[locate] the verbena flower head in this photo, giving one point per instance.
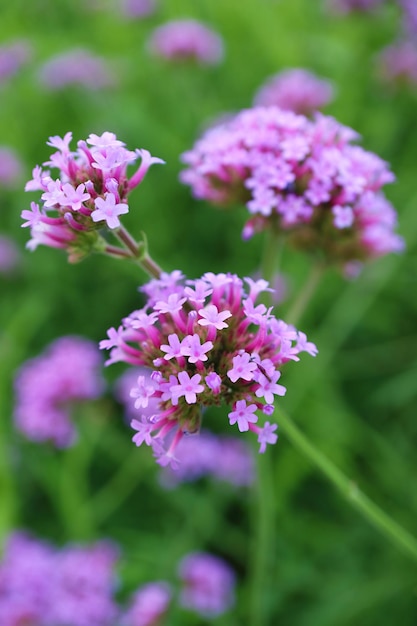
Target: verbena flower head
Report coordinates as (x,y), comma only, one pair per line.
(208,584)
(296,90)
(397,63)
(186,39)
(79,67)
(301,177)
(43,586)
(12,56)
(47,386)
(9,255)
(10,167)
(349,6)
(148,605)
(89,192)
(136,9)
(207,343)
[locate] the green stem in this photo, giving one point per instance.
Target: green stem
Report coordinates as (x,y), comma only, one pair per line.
(138,252)
(263,507)
(348,488)
(306,293)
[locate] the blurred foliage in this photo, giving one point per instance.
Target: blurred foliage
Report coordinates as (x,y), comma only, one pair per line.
(356,400)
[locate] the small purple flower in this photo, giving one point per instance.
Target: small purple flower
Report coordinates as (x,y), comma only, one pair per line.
(186,39)
(13,56)
(296,90)
(243,415)
(267,435)
(242,368)
(10,168)
(108,210)
(188,387)
(77,66)
(208,584)
(148,605)
(9,256)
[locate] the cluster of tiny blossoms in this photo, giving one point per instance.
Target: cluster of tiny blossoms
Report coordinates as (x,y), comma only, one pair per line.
(186,40)
(296,90)
(207,343)
(43,586)
(298,176)
(89,194)
(224,458)
(69,371)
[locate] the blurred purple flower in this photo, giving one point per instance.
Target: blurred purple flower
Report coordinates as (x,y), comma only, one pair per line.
(296,90)
(397,63)
(46,387)
(44,586)
(208,584)
(137,8)
(76,67)
(186,39)
(10,167)
(12,56)
(148,605)
(348,6)
(9,255)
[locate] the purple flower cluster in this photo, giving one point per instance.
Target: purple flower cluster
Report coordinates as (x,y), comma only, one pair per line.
(397,63)
(46,387)
(209,584)
(298,176)
(9,255)
(207,343)
(89,194)
(296,90)
(148,605)
(75,585)
(348,6)
(76,67)
(10,167)
(186,39)
(12,56)
(43,586)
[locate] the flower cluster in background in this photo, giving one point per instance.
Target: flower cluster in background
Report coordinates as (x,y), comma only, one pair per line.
(206,343)
(296,90)
(301,177)
(182,40)
(44,586)
(13,56)
(10,256)
(77,66)
(10,167)
(48,386)
(75,585)
(91,192)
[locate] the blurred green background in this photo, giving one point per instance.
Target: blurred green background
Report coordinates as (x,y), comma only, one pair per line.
(356,400)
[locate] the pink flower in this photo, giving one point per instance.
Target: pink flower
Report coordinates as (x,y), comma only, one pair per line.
(296,90)
(186,371)
(186,40)
(243,415)
(108,210)
(90,192)
(304,178)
